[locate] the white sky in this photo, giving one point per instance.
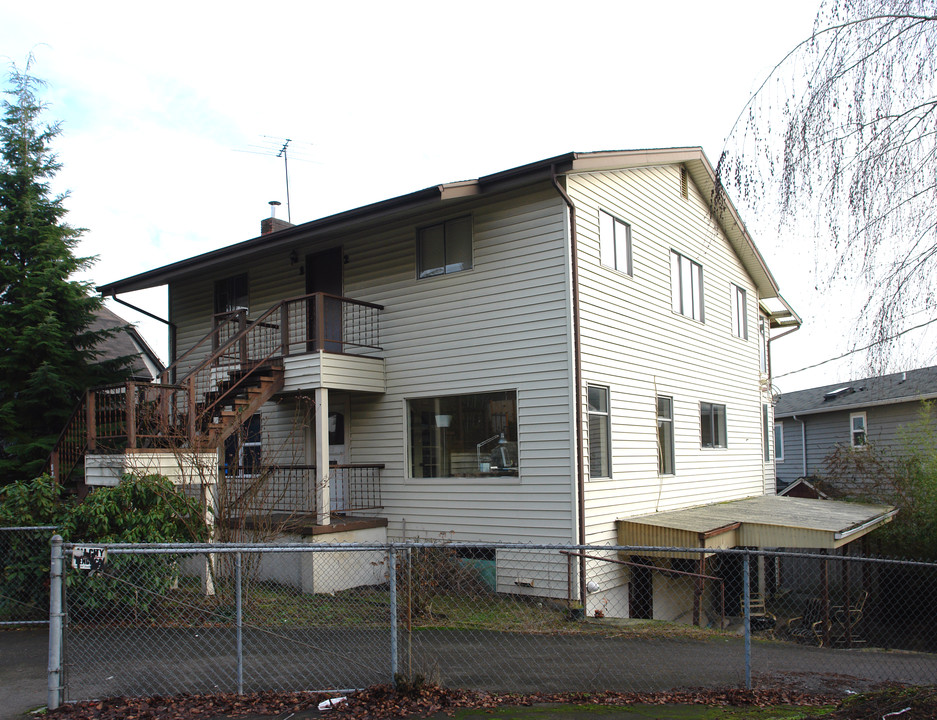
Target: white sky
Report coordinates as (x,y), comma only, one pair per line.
(158,103)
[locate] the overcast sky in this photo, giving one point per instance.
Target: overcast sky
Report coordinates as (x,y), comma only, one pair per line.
(173,114)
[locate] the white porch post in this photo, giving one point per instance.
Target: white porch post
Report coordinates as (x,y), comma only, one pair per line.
(323,499)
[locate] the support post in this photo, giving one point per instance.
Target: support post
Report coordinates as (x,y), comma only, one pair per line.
(323,496)
(238,623)
(56,569)
(285,329)
(90,425)
(746,592)
(392,561)
(130,402)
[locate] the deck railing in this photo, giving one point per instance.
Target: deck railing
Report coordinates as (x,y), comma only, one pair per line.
(292,489)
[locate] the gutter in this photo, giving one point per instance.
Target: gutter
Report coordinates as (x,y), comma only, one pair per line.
(577,362)
(875,522)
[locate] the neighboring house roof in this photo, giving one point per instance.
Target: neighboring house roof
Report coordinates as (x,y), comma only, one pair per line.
(692,158)
(910,386)
(127,342)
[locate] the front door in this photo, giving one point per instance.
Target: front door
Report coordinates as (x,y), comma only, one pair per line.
(324,275)
(338,434)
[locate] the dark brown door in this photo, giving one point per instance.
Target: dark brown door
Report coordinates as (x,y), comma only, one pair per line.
(324,275)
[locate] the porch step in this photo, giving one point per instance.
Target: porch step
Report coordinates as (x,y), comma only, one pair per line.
(244,395)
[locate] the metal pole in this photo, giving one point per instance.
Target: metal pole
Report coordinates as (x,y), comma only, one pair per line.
(392,559)
(55,624)
(238,620)
(746,571)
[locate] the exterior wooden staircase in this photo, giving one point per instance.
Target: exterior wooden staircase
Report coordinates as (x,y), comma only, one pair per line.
(234,400)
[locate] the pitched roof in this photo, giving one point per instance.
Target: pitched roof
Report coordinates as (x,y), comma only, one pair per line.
(692,158)
(910,386)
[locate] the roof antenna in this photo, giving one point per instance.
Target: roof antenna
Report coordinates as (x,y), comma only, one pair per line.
(286,168)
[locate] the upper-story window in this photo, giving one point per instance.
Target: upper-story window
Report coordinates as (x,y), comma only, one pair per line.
(858,437)
(614,242)
(712,425)
(739,313)
(686,284)
(231,293)
(444,248)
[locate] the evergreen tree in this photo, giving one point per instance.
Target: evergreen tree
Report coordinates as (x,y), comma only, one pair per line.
(47,352)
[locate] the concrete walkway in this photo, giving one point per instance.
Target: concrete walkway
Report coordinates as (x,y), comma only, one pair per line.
(24,659)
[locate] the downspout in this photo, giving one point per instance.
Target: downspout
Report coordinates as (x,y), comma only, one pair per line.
(171,325)
(803,442)
(577,371)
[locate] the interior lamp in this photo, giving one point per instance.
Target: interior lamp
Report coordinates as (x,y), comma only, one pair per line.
(486,466)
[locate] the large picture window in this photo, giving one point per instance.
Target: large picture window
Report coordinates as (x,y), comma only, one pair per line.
(464,435)
(614,242)
(686,285)
(712,425)
(444,248)
(600,456)
(665,461)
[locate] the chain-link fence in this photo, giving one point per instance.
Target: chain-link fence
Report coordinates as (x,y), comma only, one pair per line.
(210,618)
(24,575)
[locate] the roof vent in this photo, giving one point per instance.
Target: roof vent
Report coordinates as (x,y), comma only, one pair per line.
(839,392)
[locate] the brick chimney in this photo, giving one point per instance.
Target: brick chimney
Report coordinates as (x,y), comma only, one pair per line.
(272,224)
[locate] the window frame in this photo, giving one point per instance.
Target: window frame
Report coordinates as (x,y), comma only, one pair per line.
(424,274)
(684,269)
(665,450)
(709,414)
(228,290)
(778,441)
(853,431)
(765,435)
(610,247)
(739,300)
(763,362)
(602,417)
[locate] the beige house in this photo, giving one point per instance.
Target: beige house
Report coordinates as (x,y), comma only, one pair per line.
(539,355)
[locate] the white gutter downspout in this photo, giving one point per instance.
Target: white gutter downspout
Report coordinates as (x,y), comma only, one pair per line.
(803,442)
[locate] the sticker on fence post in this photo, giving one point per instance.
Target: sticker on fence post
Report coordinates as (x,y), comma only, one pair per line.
(88,557)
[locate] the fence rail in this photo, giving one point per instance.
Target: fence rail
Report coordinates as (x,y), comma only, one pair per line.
(163,619)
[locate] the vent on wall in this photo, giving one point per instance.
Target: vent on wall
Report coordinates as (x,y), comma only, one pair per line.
(684,184)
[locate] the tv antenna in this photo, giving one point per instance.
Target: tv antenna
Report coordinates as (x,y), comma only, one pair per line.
(280,146)
(286,169)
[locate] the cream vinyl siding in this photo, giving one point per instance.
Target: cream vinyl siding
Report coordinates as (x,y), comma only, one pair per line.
(502,325)
(633,342)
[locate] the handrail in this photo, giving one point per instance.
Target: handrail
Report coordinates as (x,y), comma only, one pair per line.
(206,336)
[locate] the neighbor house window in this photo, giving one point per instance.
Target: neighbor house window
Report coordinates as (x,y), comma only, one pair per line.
(739,313)
(665,435)
(779,442)
(444,248)
(712,425)
(463,435)
(686,284)
(615,242)
(242,449)
(857,426)
(765,433)
(231,293)
(600,456)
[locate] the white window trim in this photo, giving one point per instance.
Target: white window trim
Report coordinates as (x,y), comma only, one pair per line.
(724,427)
(609,247)
(671,453)
(739,300)
(606,472)
(686,287)
(779,447)
(853,431)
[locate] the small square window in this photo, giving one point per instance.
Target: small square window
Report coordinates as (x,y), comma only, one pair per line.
(712,425)
(614,242)
(445,248)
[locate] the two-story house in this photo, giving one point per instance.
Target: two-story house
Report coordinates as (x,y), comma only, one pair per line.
(569,351)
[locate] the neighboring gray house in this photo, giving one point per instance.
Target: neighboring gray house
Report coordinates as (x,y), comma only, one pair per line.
(810,424)
(570,351)
(127,342)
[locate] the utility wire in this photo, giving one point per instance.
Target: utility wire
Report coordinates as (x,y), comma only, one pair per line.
(853,352)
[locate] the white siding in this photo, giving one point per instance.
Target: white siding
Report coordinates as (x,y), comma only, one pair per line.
(635,344)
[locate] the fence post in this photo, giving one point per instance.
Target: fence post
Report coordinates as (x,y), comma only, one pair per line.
(746,610)
(392,560)
(55,624)
(238,620)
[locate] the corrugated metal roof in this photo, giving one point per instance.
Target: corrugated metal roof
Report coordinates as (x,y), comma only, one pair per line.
(766,521)
(909,386)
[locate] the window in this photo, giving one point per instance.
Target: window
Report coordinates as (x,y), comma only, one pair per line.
(739,313)
(779,442)
(600,456)
(614,242)
(763,344)
(765,434)
(712,425)
(686,283)
(242,449)
(857,429)
(231,293)
(665,435)
(464,435)
(445,248)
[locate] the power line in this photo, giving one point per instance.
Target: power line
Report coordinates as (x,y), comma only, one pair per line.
(853,352)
